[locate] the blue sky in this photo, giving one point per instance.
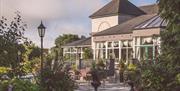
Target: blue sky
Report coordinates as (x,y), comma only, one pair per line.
(143,2)
(59,16)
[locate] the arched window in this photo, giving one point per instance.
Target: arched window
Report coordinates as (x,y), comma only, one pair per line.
(104,25)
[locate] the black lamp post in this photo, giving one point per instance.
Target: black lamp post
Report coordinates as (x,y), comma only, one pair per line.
(41,31)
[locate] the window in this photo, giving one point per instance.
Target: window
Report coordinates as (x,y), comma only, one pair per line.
(109,44)
(100,50)
(126,51)
(116,44)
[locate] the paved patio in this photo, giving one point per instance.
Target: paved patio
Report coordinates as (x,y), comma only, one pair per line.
(106,87)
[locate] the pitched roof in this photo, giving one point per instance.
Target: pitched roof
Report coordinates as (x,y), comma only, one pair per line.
(150,9)
(154,22)
(126,27)
(81,42)
(116,7)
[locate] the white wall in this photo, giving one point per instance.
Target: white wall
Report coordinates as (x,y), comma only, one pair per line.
(100,24)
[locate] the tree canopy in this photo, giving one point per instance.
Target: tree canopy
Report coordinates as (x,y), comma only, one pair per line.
(165,74)
(16,50)
(170,42)
(11,38)
(66,38)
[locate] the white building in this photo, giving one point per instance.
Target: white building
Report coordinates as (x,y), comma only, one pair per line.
(123,31)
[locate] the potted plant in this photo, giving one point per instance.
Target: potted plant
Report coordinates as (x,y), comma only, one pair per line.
(76,72)
(100,64)
(134,77)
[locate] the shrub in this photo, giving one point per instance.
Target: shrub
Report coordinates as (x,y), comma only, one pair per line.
(19,85)
(132,67)
(133,74)
(100,64)
(4,70)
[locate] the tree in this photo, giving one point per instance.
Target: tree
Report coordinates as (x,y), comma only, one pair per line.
(170,39)
(165,74)
(35,52)
(62,40)
(66,38)
(12,42)
(15,50)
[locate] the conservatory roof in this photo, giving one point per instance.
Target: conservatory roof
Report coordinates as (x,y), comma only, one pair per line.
(155,22)
(81,42)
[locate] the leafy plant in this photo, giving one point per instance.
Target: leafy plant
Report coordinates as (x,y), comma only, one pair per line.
(19,85)
(4,70)
(87,53)
(100,64)
(163,76)
(55,76)
(132,67)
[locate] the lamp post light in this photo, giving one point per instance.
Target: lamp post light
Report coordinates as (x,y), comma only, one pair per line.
(41,31)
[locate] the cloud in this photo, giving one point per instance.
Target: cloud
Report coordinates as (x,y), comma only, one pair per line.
(59,16)
(51,9)
(58,29)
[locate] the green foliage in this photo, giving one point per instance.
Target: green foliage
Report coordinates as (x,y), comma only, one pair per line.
(134,74)
(30,66)
(19,85)
(74,67)
(151,77)
(55,76)
(65,38)
(11,34)
(13,46)
(87,53)
(58,81)
(93,66)
(98,69)
(63,82)
(35,52)
(25,65)
(132,67)
(122,66)
(76,71)
(178,78)
(164,75)
(16,52)
(170,11)
(4,70)
(100,64)
(62,40)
